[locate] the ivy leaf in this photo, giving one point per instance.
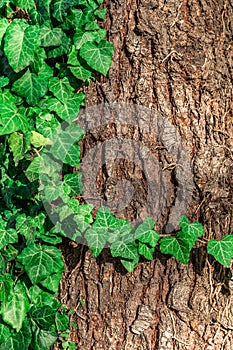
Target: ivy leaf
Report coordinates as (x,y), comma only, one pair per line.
(124,250)
(222,250)
(74,181)
(15,309)
(61,49)
(19,145)
(4,81)
(129,265)
(21,42)
(176,247)
(3,27)
(25,4)
(41,261)
(144,250)
(42,339)
(96,239)
(80,72)
(10,120)
(145,233)
(60,88)
(43,316)
(190,232)
(73,156)
(60,8)
(81,37)
(32,86)
(105,219)
(64,140)
(7,235)
(98,56)
(51,37)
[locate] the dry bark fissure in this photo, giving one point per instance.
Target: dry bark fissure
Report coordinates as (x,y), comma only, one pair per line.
(174,57)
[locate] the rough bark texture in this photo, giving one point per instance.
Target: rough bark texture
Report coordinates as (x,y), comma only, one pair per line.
(176,58)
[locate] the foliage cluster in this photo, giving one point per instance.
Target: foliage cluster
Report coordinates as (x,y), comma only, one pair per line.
(48,51)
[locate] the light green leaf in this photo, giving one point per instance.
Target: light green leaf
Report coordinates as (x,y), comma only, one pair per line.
(98,56)
(19,145)
(222,250)
(38,140)
(51,37)
(96,239)
(21,42)
(124,250)
(7,235)
(3,27)
(176,247)
(62,322)
(25,4)
(41,261)
(10,120)
(4,333)
(15,309)
(144,250)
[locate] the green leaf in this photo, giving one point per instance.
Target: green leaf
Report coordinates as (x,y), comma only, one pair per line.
(222,250)
(73,156)
(20,340)
(74,181)
(7,235)
(62,322)
(81,37)
(10,120)
(60,50)
(43,316)
(190,232)
(43,339)
(5,333)
(18,146)
(145,233)
(38,140)
(124,250)
(144,250)
(130,264)
(105,219)
(98,56)
(25,4)
(176,247)
(60,8)
(96,239)
(52,282)
(32,86)
(3,27)
(64,139)
(21,42)
(61,89)
(41,261)
(80,72)
(4,81)
(15,309)
(51,37)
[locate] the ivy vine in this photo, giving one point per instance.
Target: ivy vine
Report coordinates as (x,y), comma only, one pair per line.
(49,50)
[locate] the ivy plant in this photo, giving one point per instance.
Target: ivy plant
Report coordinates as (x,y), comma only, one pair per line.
(48,51)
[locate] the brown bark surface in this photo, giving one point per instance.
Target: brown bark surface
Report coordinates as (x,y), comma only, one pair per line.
(174,57)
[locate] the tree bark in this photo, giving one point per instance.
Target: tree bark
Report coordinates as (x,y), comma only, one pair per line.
(174,57)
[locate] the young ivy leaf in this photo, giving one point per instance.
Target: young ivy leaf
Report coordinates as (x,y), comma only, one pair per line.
(129,265)
(124,250)
(144,250)
(176,247)
(105,219)
(222,250)
(145,233)
(190,232)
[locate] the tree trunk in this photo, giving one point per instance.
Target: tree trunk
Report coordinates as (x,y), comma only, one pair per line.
(173,57)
